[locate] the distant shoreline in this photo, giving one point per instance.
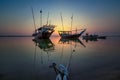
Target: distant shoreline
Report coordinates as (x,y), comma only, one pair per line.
(114,36)
(51,36)
(22,36)
(15,36)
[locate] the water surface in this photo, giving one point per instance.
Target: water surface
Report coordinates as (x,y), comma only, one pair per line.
(21,58)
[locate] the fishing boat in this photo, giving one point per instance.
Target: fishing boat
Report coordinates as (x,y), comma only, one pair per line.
(44,31)
(70,33)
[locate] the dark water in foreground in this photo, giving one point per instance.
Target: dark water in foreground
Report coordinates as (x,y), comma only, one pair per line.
(23,59)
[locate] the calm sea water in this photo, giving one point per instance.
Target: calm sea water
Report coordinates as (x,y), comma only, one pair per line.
(21,58)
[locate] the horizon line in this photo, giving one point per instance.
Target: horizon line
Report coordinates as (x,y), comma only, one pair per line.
(19,35)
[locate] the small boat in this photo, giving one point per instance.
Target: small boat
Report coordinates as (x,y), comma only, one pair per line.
(44,31)
(92,37)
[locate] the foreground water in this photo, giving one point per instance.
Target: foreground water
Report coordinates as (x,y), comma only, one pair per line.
(21,58)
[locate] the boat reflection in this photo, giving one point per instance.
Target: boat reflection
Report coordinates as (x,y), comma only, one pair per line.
(44,44)
(68,41)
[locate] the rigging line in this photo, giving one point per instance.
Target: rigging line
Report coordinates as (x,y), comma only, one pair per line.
(33,18)
(71,22)
(70,58)
(62,21)
(41,18)
(47,18)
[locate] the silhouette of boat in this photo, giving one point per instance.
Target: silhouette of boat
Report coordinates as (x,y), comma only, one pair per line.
(68,34)
(45,31)
(93,37)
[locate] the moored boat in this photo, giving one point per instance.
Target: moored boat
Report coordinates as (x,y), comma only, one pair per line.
(44,31)
(93,37)
(68,34)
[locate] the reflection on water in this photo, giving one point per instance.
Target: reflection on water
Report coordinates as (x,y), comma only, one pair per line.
(68,41)
(27,59)
(44,44)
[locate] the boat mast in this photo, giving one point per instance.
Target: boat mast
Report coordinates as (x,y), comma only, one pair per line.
(62,21)
(33,19)
(76,30)
(71,22)
(41,18)
(47,18)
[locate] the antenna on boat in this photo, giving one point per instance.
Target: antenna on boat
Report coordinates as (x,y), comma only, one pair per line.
(49,22)
(33,19)
(41,17)
(62,21)
(71,22)
(47,18)
(76,30)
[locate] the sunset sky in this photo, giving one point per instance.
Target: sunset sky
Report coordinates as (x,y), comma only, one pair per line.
(97,16)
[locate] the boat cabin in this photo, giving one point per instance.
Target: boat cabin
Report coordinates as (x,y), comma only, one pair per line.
(65,32)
